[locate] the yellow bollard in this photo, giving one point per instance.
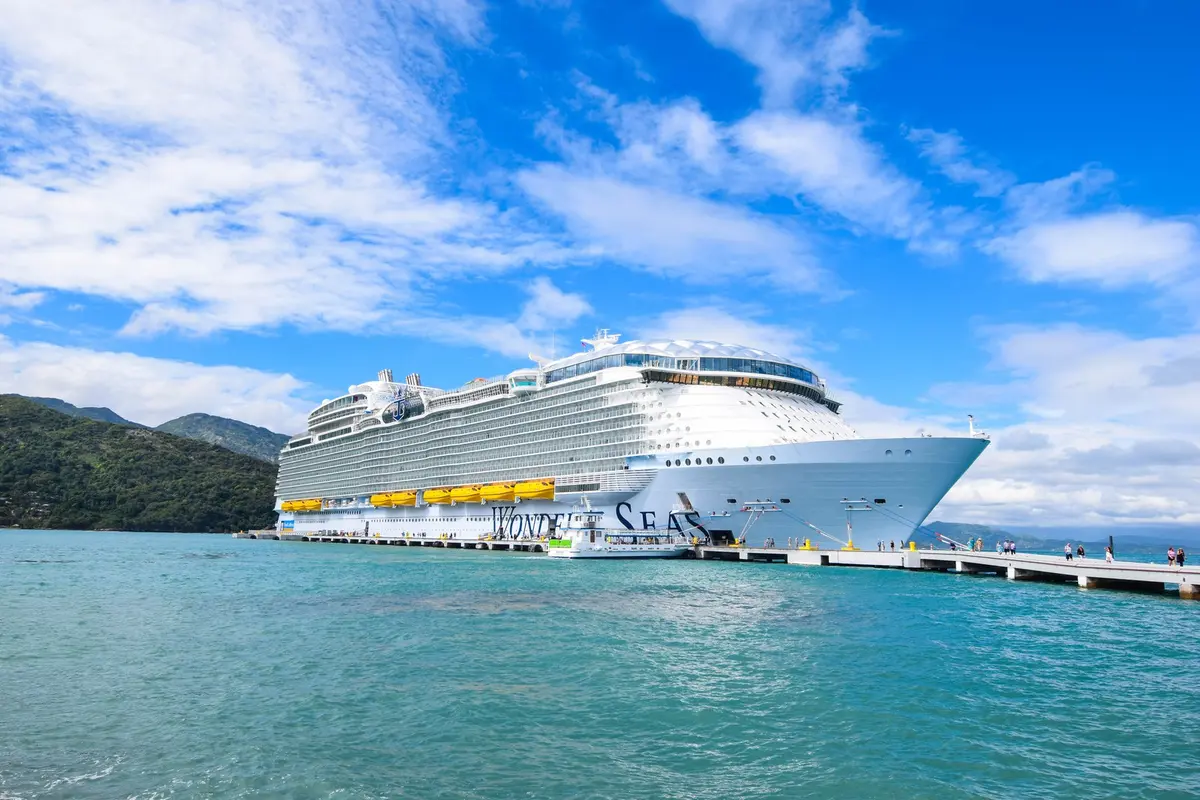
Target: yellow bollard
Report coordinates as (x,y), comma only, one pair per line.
(912,545)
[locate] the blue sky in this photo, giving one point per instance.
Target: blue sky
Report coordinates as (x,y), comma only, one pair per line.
(944,208)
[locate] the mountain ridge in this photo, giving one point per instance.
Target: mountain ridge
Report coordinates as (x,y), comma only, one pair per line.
(232,434)
(240,437)
(97,413)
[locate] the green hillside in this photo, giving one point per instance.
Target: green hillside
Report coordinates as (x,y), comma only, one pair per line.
(99,414)
(59,471)
(240,437)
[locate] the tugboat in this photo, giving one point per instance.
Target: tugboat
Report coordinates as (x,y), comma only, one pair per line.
(584,536)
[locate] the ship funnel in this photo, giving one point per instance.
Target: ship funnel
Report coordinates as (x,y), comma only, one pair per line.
(385,375)
(413,379)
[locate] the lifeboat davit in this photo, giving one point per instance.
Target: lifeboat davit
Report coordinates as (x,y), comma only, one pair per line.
(437,497)
(499,492)
(403,498)
(535,490)
(466,494)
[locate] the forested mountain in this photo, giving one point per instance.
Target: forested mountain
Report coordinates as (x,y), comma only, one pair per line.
(60,471)
(240,437)
(87,412)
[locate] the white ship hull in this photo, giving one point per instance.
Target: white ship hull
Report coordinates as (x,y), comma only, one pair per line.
(884,489)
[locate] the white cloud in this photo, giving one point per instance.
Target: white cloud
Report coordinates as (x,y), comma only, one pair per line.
(832,164)
(1107,423)
(793,43)
(1035,202)
(550,308)
(10,298)
(694,238)
(1113,249)
(948,153)
(227,165)
(152,390)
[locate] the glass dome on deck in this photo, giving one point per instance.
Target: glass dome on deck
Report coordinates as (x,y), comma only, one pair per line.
(682,354)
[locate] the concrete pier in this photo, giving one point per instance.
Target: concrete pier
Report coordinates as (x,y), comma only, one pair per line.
(1082,572)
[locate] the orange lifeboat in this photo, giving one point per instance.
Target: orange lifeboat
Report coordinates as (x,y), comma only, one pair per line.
(403,498)
(535,490)
(499,492)
(466,494)
(437,497)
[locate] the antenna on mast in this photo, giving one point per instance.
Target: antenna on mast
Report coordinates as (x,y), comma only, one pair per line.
(602,340)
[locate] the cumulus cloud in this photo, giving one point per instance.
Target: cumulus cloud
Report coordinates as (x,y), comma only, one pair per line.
(697,239)
(1105,441)
(550,308)
(1112,249)
(831,164)
(234,166)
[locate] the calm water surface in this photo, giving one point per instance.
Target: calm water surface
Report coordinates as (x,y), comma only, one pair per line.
(173,665)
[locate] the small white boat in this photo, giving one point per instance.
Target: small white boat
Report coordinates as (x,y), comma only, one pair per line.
(584,536)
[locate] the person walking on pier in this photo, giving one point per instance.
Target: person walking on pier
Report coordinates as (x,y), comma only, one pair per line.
(1179,556)
(1079,552)
(1108,554)
(1171,556)
(1067,552)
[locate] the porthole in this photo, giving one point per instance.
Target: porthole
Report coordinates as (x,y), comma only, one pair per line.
(745,458)
(772,458)
(668,462)
(708,461)
(688,429)
(758,458)
(677,462)
(730,500)
(908,452)
(720,459)
(887,452)
(708,441)
(784,500)
(688,462)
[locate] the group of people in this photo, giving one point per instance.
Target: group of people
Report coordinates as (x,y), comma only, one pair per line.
(882,546)
(1078,550)
(1008,547)
(1175,558)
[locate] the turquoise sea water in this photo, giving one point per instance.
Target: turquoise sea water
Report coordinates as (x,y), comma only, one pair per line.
(174,665)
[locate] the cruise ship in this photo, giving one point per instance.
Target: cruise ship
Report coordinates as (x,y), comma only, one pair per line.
(717,441)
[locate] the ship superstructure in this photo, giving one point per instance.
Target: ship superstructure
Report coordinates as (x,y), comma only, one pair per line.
(641,429)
